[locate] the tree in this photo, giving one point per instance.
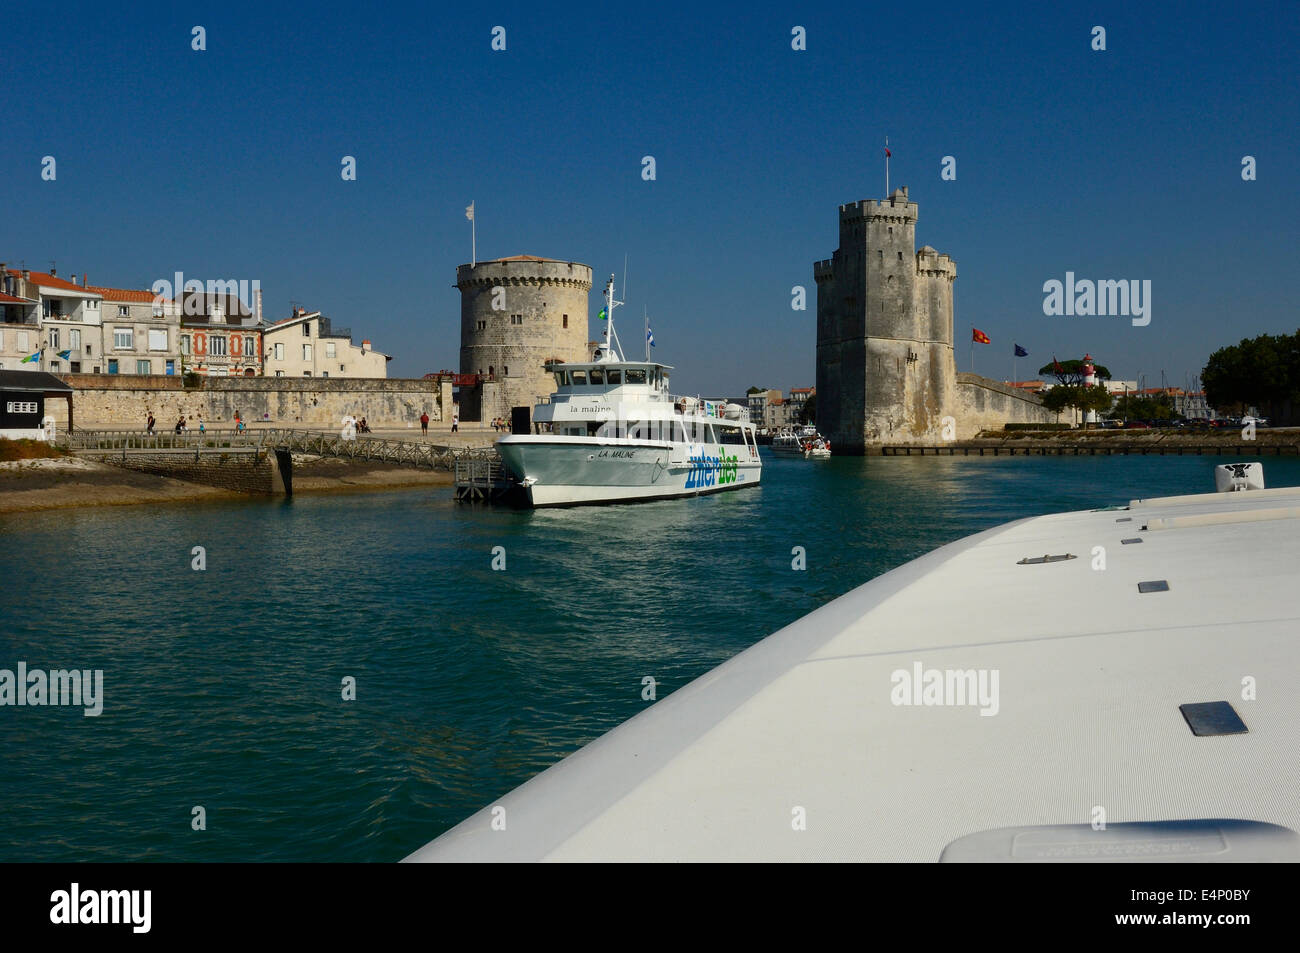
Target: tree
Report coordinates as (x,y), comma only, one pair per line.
(1071,372)
(1137,407)
(1096,398)
(755,390)
(808,413)
(1057,398)
(1256,372)
(1077,397)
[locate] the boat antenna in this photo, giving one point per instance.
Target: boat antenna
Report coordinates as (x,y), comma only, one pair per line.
(610,333)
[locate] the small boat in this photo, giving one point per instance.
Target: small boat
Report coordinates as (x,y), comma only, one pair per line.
(787,443)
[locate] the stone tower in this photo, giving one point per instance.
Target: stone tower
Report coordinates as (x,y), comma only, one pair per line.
(885,367)
(515,315)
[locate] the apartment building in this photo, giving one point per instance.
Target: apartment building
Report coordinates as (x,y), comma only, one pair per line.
(306,344)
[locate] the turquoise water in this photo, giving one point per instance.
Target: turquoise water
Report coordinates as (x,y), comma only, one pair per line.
(222,688)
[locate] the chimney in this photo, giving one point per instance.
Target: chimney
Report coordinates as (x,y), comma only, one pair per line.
(74,277)
(365,345)
(54,272)
(85,282)
(27,274)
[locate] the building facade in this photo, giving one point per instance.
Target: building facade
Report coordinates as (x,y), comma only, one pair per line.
(307,345)
(516,314)
(220,335)
(66,335)
(141,334)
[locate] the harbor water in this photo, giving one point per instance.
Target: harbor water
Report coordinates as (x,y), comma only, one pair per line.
(223,688)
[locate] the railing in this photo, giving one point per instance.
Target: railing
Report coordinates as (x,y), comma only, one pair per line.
(163,440)
(319,443)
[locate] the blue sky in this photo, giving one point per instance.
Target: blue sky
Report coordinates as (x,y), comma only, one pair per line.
(1117,164)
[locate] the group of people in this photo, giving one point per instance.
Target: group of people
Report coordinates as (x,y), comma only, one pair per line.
(182,424)
(499,423)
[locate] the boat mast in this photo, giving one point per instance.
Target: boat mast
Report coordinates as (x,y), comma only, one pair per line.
(610,333)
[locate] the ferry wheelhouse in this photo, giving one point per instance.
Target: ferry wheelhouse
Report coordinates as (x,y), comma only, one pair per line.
(614,432)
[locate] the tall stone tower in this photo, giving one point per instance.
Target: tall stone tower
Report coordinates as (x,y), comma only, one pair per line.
(515,315)
(885,367)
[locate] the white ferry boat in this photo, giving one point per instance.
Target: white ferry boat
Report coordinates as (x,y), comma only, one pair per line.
(613,432)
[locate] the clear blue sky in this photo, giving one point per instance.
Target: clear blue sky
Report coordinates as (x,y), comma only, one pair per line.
(1116,164)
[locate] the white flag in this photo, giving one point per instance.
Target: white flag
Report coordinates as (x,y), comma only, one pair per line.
(469,211)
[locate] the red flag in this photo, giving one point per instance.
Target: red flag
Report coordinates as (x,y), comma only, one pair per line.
(888,153)
(979,337)
(1056,365)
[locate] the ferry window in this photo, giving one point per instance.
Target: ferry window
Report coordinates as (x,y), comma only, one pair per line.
(635,375)
(597,376)
(580,378)
(709,435)
(615,376)
(677,435)
(561,378)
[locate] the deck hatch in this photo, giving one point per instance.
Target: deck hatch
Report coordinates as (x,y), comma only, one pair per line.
(1124,519)
(1039,560)
(1154,585)
(1213,718)
(1135,539)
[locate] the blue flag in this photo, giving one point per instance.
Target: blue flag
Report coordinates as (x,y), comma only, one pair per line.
(650,337)
(1021,352)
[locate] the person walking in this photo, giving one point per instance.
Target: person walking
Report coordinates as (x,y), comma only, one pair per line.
(424,424)
(149,425)
(455,421)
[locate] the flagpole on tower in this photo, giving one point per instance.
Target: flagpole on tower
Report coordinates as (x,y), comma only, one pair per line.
(887,167)
(473,233)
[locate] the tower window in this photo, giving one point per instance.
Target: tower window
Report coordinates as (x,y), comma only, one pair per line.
(505,371)
(566,320)
(482,326)
(891,231)
(516,319)
(900,256)
(881,253)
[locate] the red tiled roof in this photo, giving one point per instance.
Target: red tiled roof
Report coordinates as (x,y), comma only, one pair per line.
(121,294)
(10,299)
(49,281)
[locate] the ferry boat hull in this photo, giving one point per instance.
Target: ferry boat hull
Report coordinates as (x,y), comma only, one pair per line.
(560,471)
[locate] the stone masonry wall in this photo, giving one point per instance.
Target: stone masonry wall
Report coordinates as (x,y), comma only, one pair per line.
(113,401)
(246,472)
(543,317)
(984,404)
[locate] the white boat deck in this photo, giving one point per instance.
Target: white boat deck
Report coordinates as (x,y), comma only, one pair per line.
(1091,673)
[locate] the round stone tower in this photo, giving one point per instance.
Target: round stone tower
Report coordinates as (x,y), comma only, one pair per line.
(515,315)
